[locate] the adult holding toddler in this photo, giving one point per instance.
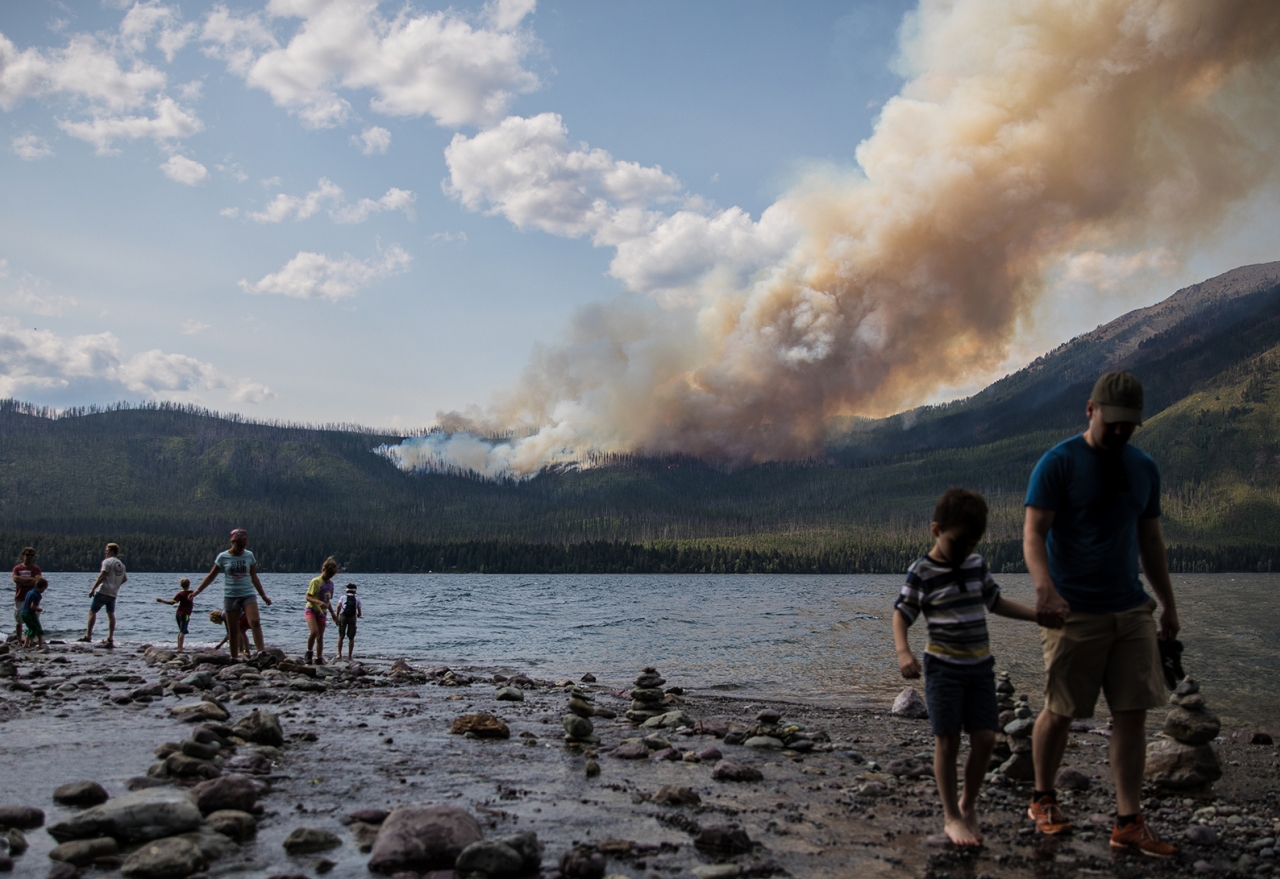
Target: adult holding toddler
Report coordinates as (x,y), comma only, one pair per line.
(1092,513)
(952,589)
(319,598)
(239,570)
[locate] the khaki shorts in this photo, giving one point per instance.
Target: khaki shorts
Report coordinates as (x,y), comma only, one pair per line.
(1116,653)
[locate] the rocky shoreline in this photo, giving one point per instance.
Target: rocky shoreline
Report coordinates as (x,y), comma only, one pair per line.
(149,764)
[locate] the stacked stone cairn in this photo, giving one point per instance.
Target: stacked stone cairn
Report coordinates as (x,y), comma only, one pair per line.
(647,698)
(578,728)
(1016,720)
(770,731)
(1186,759)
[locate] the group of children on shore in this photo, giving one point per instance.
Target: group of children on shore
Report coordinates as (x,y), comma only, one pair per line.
(30,586)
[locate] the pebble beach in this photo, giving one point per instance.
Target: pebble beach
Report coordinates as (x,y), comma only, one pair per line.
(275,768)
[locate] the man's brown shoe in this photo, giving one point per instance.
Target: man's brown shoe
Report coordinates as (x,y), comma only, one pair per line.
(1139,836)
(1048,816)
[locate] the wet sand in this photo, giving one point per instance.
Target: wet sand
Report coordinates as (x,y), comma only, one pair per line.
(382,739)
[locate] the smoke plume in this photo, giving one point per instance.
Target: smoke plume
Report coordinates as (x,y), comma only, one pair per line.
(1028,133)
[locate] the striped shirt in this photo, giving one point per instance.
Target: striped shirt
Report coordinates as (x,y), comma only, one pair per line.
(954,602)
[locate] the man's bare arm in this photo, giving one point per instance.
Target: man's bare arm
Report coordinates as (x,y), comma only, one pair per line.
(1155,564)
(1051,608)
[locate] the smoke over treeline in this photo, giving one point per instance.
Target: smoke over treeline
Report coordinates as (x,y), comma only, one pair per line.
(1028,134)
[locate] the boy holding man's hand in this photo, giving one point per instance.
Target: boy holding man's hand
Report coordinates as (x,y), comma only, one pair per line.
(953,589)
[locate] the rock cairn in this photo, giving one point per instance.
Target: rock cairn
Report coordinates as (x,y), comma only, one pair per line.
(647,696)
(771,732)
(1186,759)
(578,728)
(1016,720)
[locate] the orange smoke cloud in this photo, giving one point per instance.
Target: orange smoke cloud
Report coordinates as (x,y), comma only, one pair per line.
(1029,132)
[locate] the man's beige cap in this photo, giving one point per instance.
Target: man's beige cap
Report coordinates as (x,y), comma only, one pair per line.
(1119,395)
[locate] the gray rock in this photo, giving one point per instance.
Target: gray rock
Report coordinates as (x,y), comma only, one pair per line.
(364,835)
(581,707)
(1073,779)
(669,720)
(1202,834)
(577,727)
(17,841)
(235,792)
(201,680)
(766,742)
(509,694)
(710,755)
(1020,728)
(212,845)
(140,816)
(909,767)
(672,795)
(198,712)
(519,854)
(165,749)
(368,816)
(233,823)
(262,727)
(170,858)
(1186,687)
(1176,765)
(62,870)
(80,793)
(665,754)
(200,750)
(182,766)
(647,696)
(769,715)
(6,864)
(1019,767)
(730,770)
(1192,727)
(305,840)
(423,838)
(728,839)
(909,704)
(633,750)
(83,852)
(21,817)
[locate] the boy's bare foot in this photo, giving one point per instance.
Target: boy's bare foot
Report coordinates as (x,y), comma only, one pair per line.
(971,821)
(83,639)
(961,834)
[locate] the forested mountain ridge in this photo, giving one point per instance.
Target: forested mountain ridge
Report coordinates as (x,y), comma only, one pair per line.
(169,482)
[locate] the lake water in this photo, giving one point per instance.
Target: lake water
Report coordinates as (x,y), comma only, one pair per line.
(824,638)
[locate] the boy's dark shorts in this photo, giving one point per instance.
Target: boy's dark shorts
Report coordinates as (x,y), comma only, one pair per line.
(34,629)
(960,696)
(184,620)
(346,627)
(100,601)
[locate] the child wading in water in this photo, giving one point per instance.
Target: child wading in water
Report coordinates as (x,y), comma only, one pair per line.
(952,587)
(218,618)
(31,611)
(347,610)
(184,600)
(319,594)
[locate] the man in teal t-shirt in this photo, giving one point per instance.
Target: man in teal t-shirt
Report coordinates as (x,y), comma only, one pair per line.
(1092,513)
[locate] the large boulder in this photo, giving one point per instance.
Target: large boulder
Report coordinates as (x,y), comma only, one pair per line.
(80,793)
(306,840)
(140,816)
(261,727)
(237,792)
(83,852)
(164,859)
(423,838)
(731,770)
(1174,764)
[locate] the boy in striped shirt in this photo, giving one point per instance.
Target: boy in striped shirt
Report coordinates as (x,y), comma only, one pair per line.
(953,589)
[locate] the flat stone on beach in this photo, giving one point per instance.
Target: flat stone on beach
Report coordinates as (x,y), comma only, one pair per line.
(633,750)
(80,793)
(909,704)
(731,770)
(140,816)
(21,817)
(307,840)
(163,859)
(484,726)
(422,838)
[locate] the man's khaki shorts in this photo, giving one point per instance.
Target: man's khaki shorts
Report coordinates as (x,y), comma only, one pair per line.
(1116,653)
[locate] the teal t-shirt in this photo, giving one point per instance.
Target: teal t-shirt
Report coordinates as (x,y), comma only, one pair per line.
(236,582)
(1097,498)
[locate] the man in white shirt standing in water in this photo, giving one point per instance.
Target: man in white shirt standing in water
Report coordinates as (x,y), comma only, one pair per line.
(239,582)
(110,579)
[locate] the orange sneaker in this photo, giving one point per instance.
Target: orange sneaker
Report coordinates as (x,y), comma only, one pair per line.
(1048,816)
(1139,836)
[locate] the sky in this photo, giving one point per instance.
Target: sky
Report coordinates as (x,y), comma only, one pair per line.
(397,213)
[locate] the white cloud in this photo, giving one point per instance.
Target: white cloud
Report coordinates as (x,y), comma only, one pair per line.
(316,276)
(229,213)
(183,170)
(1108,273)
(449,237)
(373,140)
(84,69)
(170,122)
(40,361)
(234,171)
(194,327)
(146,18)
(32,297)
(394,200)
(271,182)
(433,64)
(504,15)
(284,207)
(526,170)
(31,147)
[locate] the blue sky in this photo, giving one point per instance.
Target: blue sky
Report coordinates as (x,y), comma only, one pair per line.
(364,212)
